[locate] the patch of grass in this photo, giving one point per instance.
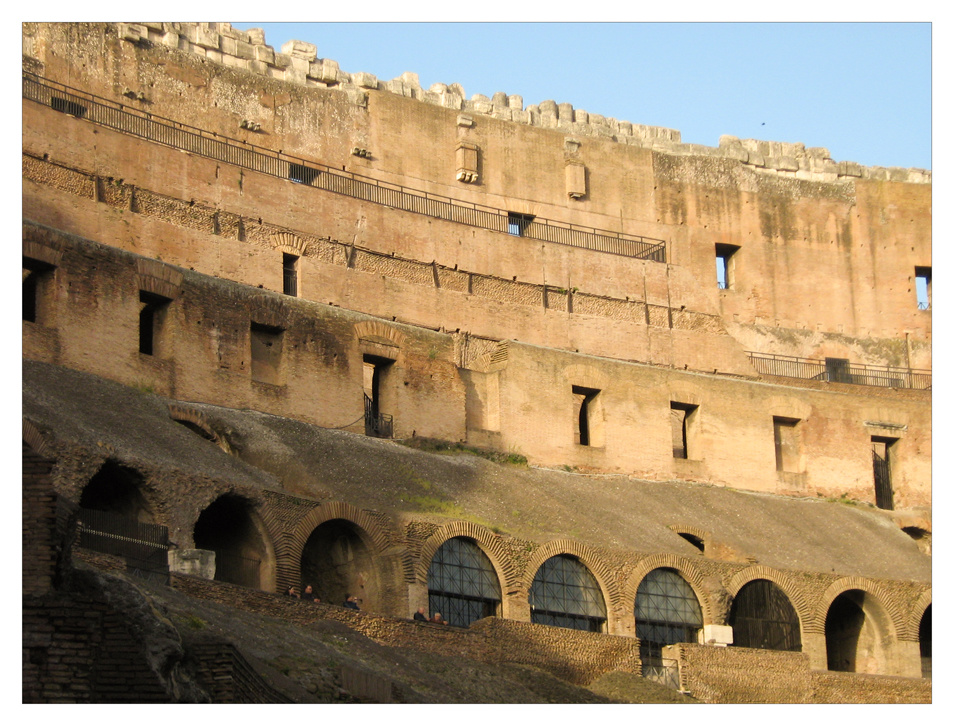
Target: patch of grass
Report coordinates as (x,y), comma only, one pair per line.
(439,446)
(447,508)
(195,622)
(144,387)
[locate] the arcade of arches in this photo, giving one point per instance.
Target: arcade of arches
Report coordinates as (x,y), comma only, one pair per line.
(859,632)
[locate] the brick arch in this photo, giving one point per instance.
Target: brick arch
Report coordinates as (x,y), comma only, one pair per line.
(489,543)
(369,529)
(593,561)
(580,374)
(685,567)
(911,632)
(895,616)
(789,407)
(178,412)
(793,591)
(290,243)
(371,329)
(36,441)
(158,277)
(260,514)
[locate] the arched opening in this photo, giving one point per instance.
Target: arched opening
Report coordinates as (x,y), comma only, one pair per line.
(667,611)
(565,593)
(763,617)
(117,489)
(230,527)
(462,584)
(854,641)
(924,641)
(337,561)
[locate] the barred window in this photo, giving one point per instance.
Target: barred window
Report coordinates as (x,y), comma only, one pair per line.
(667,612)
(763,617)
(564,593)
(462,584)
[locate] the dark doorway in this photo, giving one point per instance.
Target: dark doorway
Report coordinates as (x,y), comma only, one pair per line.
(229,527)
(763,617)
(117,489)
(337,561)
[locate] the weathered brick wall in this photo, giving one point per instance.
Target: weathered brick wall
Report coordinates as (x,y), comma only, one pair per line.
(829,687)
(40,538)
(229,678)
(80,650)
(749,675)
(576,656)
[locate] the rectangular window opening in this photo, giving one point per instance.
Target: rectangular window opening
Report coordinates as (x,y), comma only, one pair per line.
(786,444)
(64,105)
(376,423)
(152,313)
(838,370)
(922,286)
(290,274)
(301,174)
(882,449)
(585,423)
(37,290)
(725,265)
(681,416)
(266,350)
(517,223)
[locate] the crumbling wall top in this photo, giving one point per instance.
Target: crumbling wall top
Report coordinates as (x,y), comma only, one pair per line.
(298,62)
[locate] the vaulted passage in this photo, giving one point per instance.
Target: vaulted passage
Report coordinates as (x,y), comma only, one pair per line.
(462,584)
(337,561)
(117,489)
(855,634)
(565,593)
(924,641)
(763,617)
(231,528)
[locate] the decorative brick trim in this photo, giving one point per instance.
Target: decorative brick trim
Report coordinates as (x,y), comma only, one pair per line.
(796,596)
(178,412)
(36,441)
(489,543)
(686,569)
(591,558)
(912,631)
(290,243)
(366,526)
(884,602)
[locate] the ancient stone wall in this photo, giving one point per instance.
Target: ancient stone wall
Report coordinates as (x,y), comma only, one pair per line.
(748,675)
(807,219)
(204,352)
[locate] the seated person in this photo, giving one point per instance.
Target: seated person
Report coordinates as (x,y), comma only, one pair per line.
(420,615)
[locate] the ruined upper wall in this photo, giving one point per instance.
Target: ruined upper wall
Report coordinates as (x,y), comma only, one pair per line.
(298,62)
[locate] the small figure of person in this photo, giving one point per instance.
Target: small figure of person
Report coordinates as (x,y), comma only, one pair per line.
(421,615)
(309,594)
(350,602)
(438,619)
(290,592)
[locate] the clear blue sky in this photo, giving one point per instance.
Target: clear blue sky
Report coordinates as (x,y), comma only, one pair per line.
(862,90)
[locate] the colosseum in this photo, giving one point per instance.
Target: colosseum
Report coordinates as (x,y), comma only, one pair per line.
(615,405)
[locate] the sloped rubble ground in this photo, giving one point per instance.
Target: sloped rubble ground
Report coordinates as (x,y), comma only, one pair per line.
(305,662)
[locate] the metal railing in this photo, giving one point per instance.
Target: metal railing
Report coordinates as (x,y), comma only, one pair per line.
(856,373)
(377,424)
(143,546)
(248,156)
(236,569)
